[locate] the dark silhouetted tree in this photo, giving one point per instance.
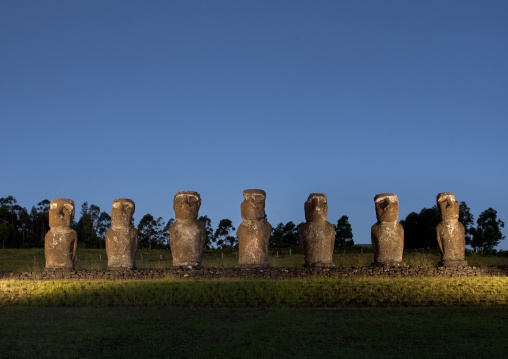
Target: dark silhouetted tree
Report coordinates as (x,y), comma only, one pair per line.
(209,240)
(284,235)
(467,220)
(343,232)
(103,224)
(86,227)
(151,232)
(222,234)
(487,234)
(420,228)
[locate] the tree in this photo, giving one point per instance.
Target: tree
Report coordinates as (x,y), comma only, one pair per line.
(488,234)
(6,233)
(86,227)
(467,220)
(166,237)
(343,232)
(290,235)
(153,233)
(24,219)
(284,235)
(222,236)
(103,224)
(43,219)
(209,230)
(276,237)
(420,228)
(9,219)
(146,231)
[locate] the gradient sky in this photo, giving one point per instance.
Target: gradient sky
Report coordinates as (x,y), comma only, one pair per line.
(141,99)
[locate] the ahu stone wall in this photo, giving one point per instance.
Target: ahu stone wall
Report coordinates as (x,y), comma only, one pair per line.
(263,273)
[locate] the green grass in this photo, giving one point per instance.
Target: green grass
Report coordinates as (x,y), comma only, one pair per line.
(140,332)
(315,293)
(422,317)
(32,260)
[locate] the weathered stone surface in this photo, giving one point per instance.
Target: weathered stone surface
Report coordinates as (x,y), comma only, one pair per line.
(254,231)
(317,235)
(387,234)
(122,237)
(187,234)
(451,235)
(60,243)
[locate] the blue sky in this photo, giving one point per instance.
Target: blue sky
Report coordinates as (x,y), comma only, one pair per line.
(142,99)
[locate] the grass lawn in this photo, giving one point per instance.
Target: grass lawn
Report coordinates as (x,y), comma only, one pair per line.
(148,332)
(425,317)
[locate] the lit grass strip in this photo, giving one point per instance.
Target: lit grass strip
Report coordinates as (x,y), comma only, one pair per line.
(312,293)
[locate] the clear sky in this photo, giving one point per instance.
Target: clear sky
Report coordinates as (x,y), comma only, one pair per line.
(141,99)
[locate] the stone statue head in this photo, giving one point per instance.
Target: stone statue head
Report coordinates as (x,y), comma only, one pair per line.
(61,212)
(387,207)
(316,208)
(122,212)
(448,206)
(253,205)
(186,205)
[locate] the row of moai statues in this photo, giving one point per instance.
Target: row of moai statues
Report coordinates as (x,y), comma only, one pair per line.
(188,234)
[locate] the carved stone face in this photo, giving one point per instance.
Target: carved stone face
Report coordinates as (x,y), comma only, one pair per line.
(387,207)
(448,206)
(186,205)
(122,212)
(61,212)
(253,205)
(316,208)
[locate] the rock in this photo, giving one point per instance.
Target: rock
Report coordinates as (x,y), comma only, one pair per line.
(317,235)
(254,231)
(387,234)
(61,241)
(122,237)
(451,235)
(187,234)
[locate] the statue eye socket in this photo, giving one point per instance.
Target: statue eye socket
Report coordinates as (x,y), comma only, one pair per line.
(68,207)
(53,205)
(115,205)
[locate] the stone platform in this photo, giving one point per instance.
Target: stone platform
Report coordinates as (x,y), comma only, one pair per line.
(263,273)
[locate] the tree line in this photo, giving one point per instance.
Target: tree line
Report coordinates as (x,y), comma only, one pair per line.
(20,228)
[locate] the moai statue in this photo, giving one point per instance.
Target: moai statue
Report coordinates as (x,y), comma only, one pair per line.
(61,241)
(122,237)
(387,234)
(254,231)
(317,235)
(187,234)
(451,235)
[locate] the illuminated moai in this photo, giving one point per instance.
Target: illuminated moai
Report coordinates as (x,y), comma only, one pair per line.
(317,235)
(451,235)
(187,234)
(387,234)
(254,231)
(61,241)
(122,237)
